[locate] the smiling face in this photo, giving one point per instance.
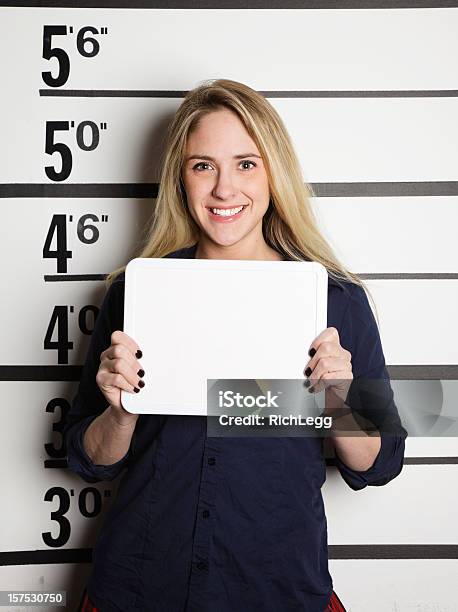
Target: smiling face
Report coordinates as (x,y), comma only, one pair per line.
(227,188)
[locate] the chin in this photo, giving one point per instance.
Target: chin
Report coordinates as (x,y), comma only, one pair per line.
(223,239)
(225,242)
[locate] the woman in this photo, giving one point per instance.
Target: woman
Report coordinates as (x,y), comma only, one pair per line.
(222,524)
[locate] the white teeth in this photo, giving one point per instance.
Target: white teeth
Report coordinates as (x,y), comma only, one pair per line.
(226,212)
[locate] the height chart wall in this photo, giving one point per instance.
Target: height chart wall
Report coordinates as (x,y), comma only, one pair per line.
(368,91)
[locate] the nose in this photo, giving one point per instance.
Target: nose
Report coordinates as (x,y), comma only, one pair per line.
(224,188)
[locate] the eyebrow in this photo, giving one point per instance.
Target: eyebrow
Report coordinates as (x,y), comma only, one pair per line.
(203,156)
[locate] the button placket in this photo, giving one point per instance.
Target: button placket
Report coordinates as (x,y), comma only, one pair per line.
(204,525)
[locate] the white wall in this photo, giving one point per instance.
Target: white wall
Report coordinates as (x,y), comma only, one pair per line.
(383,159)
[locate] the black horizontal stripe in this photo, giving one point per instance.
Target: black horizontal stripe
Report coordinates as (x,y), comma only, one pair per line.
(383,189)
(336,551)
(423,372)
(409,276)
(80,190)
(331,462)
(47,556)
(62,278)
(150,190)
(236,4)
(177,93)
(40,373)
(430,460)
(59,278)
(393,551)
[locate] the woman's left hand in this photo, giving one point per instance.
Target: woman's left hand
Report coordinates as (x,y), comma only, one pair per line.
(330,365)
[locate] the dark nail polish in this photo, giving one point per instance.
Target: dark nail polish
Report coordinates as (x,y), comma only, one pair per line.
(307,383)
(308,371)
(141,383)
(312,389)
(136,390)
(141,373)
(312,351)
(139,354)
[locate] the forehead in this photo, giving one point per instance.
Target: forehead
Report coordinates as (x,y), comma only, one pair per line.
(220,129)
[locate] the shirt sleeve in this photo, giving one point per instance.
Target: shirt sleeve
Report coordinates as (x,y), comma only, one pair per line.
(89,402)
(370,394)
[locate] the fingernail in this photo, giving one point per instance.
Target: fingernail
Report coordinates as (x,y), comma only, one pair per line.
(308,371)
(141,373)
(139,354)
(312,351)
(136,390)
(141,383)
(312,389)
(307,383)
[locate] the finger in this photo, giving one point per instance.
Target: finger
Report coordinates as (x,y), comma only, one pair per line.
(339,378)
(109,380)
(329,365)
(319,385)
(120,337)
(120,365)
(330,334)
(121,351)
(326,350)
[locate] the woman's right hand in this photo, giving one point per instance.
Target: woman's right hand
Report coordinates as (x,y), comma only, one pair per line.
(120,370)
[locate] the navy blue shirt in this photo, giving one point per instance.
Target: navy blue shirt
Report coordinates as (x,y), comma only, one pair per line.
(226,524)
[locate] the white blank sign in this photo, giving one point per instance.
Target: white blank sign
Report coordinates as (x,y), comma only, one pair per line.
(199,319)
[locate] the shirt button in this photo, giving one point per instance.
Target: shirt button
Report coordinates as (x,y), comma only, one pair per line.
(211,461)
(202,565)
(205,513)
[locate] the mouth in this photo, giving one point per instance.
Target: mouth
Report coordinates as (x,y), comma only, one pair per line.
(226,214)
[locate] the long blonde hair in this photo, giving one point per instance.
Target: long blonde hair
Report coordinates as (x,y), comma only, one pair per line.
(289,225)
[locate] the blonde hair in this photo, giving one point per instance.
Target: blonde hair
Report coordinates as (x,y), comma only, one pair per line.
(289,225)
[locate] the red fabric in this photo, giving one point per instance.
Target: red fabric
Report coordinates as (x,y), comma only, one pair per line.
(87,605)
(335,605)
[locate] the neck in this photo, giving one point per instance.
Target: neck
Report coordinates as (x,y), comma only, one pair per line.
(259,250)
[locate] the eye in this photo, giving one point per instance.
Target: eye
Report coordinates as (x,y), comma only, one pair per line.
(200,164)
(247,161)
